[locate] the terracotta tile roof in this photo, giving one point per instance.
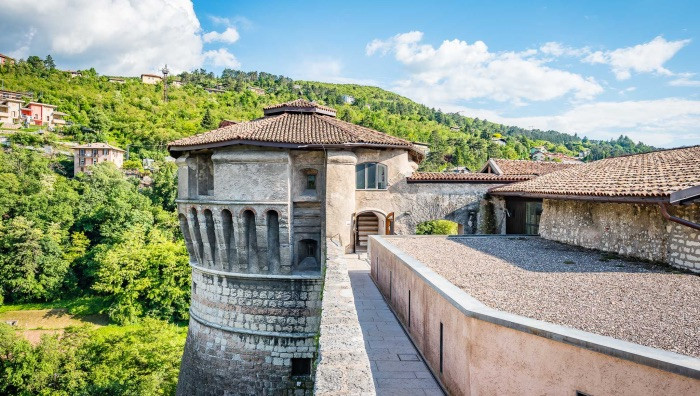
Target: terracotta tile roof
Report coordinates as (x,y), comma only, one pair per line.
(299,106)
(298,128)
(447,177)
(96,146)
(655,174)
(524,167)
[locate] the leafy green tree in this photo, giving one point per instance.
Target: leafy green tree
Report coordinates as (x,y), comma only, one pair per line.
(31,261)
(164,188)
(147,273)
(49,63)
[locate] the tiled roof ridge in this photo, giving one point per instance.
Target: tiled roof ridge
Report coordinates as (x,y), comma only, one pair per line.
(655,174)
(347,128)
(300,103)
(452,176)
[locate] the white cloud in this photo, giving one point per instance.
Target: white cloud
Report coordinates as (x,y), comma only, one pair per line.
(221,58)
(685,80)
(230,36)
(327,70)
(119,37)
(667,122)
(642,58)
(558,49)
(457,70)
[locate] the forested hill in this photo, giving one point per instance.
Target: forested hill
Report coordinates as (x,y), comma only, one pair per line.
(135,115)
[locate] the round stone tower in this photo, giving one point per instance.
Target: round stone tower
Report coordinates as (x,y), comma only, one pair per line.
(252,207)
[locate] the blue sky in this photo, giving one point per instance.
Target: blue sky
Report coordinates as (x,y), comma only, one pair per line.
(597,68)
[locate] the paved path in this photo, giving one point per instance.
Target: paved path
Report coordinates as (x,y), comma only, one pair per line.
(363,348)
(397,368)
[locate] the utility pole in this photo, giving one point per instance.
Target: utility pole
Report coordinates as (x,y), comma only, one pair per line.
(165,82)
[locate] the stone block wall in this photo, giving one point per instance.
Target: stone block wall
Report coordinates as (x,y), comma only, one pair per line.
(635,230)
(244,332)
(684,242)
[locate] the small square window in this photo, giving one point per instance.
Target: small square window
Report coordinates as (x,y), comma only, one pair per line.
(310,182)
(301,367)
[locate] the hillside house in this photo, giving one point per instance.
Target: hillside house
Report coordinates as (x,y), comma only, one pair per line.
(151,79)
(10,111)
(6,60)
(39,113)
(643,205)
(118,80)
(218,89)
(256,90)
(86,155)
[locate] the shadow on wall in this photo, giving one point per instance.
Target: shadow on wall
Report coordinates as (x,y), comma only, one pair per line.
(550,256)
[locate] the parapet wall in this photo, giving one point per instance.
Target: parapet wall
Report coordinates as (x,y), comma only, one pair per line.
(474,349)
(636,230)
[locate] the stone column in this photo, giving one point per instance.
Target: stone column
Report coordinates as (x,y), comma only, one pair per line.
(182,177)
(340,197)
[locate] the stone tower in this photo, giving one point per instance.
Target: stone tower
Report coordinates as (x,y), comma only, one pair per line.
(252,207)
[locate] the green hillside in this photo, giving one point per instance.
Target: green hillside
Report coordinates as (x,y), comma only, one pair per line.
(135,115)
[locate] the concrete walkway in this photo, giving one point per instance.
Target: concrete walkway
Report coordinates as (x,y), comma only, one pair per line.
(363,349)
(397,369)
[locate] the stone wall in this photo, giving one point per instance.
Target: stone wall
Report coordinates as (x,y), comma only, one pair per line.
(254,311)
(684,242)
(636,230)
(246,329)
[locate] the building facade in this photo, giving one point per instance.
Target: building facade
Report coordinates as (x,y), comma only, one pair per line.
(151,79)
(86,155)
(645,206)
(259,201)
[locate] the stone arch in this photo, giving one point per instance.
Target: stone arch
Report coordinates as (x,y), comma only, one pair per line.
(368,221)
(229,238)
(209,242)
(250,240)
(273,240)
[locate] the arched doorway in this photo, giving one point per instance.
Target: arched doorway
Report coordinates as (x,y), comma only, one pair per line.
(366,224)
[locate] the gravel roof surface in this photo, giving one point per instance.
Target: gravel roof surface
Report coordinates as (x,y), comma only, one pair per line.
(585,289)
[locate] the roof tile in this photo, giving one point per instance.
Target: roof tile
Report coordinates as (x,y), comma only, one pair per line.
(654,174)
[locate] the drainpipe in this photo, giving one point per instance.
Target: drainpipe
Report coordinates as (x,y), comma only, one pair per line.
(667,216)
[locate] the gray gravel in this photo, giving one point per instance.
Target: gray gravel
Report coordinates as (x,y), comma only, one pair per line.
(585,289)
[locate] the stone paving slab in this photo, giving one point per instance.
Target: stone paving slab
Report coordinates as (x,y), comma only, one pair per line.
(363,349)
(386,343)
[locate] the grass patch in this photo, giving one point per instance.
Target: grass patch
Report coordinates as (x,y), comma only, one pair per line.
(94,305)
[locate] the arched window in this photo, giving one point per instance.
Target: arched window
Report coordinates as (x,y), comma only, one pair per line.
(370,176)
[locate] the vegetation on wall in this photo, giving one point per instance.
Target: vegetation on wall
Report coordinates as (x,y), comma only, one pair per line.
(437,227)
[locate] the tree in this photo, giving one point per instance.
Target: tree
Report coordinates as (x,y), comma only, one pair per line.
(147,274)
(31,261)
(164,188)
(49,63)
(208,121)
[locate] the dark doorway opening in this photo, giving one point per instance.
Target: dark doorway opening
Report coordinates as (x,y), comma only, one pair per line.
(523,216)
